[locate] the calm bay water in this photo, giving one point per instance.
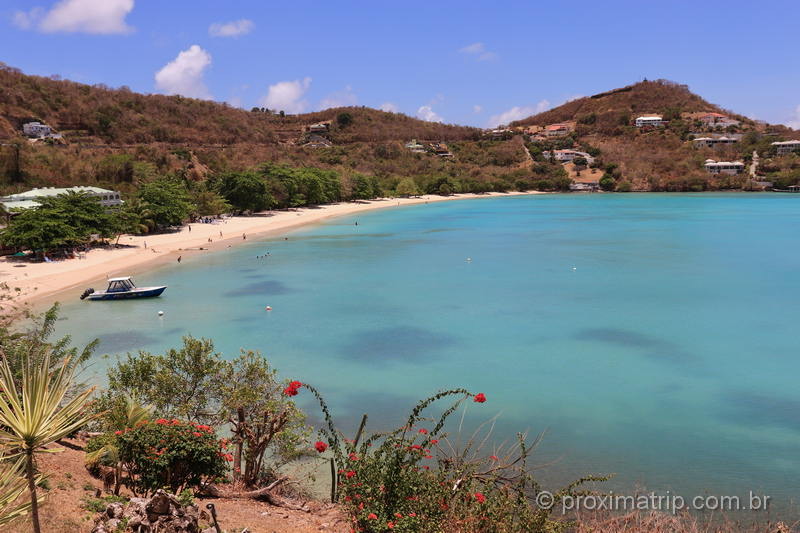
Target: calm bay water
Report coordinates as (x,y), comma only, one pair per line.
(652,336)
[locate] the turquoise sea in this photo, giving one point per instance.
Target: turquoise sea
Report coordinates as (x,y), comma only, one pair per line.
(652,336)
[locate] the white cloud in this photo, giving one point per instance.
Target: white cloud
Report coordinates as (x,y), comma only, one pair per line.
(27,19)
(517,113)
(339,99)
(231,29)
(795,121)
(390,107)
(426,112)
(477,109)
(102,17)
(184,74)
(478,51)
(287,96)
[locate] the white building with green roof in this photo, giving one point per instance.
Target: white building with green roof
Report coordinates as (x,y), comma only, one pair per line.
(27,199)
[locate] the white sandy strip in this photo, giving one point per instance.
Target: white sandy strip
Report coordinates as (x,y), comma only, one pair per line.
(41,282)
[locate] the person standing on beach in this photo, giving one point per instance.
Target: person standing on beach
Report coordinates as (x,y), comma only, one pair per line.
(244,236)
(179,258)
(220,234)
(190,227)
(145,245)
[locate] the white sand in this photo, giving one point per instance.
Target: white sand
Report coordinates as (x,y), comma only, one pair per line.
(42,282)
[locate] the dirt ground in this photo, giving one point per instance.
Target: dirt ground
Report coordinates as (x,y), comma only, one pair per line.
(70,486)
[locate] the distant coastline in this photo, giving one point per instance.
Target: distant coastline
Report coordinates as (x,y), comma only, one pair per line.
(40,284)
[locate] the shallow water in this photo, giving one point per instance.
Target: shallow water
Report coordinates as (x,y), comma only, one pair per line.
(652,336)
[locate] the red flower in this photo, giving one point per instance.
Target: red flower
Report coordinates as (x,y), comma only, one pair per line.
(162,421)
(117,433)
(412,515)
(196,434)
(372,516)
(480,497)
(349,474)
(320,446)
(289,391)
(398,515)
(493,458)
(435,441)
(353,456)
(423,431)
(479,398)
(390,525)
(295,384)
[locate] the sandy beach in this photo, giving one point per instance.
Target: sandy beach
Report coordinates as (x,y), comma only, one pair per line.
(38,283)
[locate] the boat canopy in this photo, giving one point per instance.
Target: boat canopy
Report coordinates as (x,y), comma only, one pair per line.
(126,278)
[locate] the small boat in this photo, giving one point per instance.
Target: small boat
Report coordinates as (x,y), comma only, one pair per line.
(122,289)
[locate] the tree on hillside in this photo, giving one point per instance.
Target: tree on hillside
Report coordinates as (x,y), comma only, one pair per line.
(344,119)
(607,182)
(167,200)
(580,162)
(407,187)
(245,191)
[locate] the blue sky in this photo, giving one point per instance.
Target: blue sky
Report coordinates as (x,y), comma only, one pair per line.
(476,63)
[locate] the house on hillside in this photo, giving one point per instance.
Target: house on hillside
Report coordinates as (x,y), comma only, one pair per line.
(498,134)
(589,182)
(724,167)
(441,150)
(714,142)
(37,130)
(557,130)
(317,141)
(717,120)
(414,146)
(26,200)
(533,130)
(319,127)
(650,120)
(565,156)
(786,147)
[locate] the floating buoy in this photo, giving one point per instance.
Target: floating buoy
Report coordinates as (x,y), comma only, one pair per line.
(574,268)
(161,313)
(469,259)
(268,308)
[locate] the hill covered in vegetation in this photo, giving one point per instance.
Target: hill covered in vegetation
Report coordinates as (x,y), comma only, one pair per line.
(119,139)
(664,157)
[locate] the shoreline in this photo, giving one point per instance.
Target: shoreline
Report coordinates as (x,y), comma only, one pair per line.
(37,284)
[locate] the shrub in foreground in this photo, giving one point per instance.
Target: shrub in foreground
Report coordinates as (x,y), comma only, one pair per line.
(414,479)
(170,454)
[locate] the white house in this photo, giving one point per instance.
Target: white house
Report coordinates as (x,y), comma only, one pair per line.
(565,156)
(650,120)
(585,183)
(36,129)
(25,200)
(416,147)
(724,167)
(713,142)
(718,120)
(786,147)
